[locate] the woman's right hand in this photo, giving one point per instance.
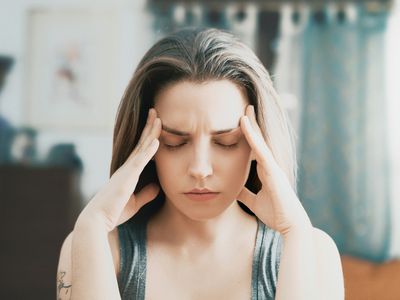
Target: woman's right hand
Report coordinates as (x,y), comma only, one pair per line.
(115,203)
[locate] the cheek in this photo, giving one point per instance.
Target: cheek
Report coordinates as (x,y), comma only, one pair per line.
(167,171)
(165,160)
(235,166)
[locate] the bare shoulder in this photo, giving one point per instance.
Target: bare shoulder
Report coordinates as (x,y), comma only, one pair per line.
(64,269)
(329,265)
(326,247)
(325,243)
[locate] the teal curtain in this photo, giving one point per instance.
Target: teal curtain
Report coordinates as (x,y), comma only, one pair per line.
(342,149)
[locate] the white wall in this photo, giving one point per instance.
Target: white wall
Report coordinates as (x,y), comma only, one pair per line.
(393,96)
(134,37)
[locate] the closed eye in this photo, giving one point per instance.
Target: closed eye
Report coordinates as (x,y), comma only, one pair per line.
(175,147)
(172,147)
(228,146)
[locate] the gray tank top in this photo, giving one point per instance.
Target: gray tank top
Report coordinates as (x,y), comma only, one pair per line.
(132,275)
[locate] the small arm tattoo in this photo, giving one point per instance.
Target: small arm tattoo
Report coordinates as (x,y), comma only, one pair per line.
(61,285)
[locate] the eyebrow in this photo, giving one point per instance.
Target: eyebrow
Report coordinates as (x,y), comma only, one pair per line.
(182,133)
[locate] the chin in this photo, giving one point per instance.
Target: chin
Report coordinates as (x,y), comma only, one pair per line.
(202,212)
(203,217)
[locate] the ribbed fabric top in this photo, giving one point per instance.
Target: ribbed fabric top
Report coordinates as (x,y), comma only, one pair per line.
(133,261)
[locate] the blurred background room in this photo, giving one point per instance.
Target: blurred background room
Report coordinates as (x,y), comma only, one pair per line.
(64,66)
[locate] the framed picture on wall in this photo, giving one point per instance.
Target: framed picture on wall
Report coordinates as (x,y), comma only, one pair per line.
(71,56)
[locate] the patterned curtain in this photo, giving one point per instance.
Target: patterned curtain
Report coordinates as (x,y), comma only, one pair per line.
(238,18)
(337,76)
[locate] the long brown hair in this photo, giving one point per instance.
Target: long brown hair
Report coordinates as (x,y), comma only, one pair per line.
(200,55)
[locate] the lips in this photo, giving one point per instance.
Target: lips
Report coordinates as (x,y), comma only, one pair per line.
(201,191)
(201,196)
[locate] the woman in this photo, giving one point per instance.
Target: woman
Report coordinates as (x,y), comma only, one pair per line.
(201,202)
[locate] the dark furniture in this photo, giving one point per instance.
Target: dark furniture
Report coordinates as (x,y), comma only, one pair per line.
(38,208)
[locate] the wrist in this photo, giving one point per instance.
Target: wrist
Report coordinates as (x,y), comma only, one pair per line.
(299,230)
(90,221)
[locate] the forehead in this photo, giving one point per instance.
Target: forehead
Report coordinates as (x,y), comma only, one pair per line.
(209,106)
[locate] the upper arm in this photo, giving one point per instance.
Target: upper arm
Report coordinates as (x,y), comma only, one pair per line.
(64,276)
(329,266)
(64,270)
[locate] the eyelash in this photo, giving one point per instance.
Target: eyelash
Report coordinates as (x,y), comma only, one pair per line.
(175,147)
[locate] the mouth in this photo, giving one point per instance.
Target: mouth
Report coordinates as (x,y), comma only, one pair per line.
(201,191)
(202,196)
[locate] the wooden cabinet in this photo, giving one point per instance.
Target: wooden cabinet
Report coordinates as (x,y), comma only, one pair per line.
(38,208)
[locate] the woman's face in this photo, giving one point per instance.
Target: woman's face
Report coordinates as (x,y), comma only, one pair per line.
(192,155)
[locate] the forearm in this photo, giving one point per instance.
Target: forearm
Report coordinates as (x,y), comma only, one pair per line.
(297,277)
(93,272)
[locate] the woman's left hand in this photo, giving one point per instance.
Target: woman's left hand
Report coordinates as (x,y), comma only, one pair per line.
(276,204)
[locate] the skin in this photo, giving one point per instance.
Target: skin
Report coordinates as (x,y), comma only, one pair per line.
(205,228)
(310,265)
(93,276)
(218,162)
(191,237)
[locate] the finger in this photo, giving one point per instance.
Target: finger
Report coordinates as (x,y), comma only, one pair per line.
(147,128)
(255,141)
(123,182)
(265,151)
(130,171)
(136,202)
(253,120)
(250,112)
(247,197)
(143,156)
(147,194)
(154,132)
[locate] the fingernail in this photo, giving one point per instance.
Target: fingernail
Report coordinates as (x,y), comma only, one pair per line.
(154,142)
(150,112)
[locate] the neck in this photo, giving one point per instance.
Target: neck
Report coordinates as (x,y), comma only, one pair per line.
(177,229)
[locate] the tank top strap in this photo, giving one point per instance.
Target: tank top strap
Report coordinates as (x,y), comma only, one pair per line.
(266,262)
(132,276)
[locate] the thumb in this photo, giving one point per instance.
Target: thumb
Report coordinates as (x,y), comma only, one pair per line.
(135,202)
(247,197)
(146,194)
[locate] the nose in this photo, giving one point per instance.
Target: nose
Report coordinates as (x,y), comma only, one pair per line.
(200,165)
